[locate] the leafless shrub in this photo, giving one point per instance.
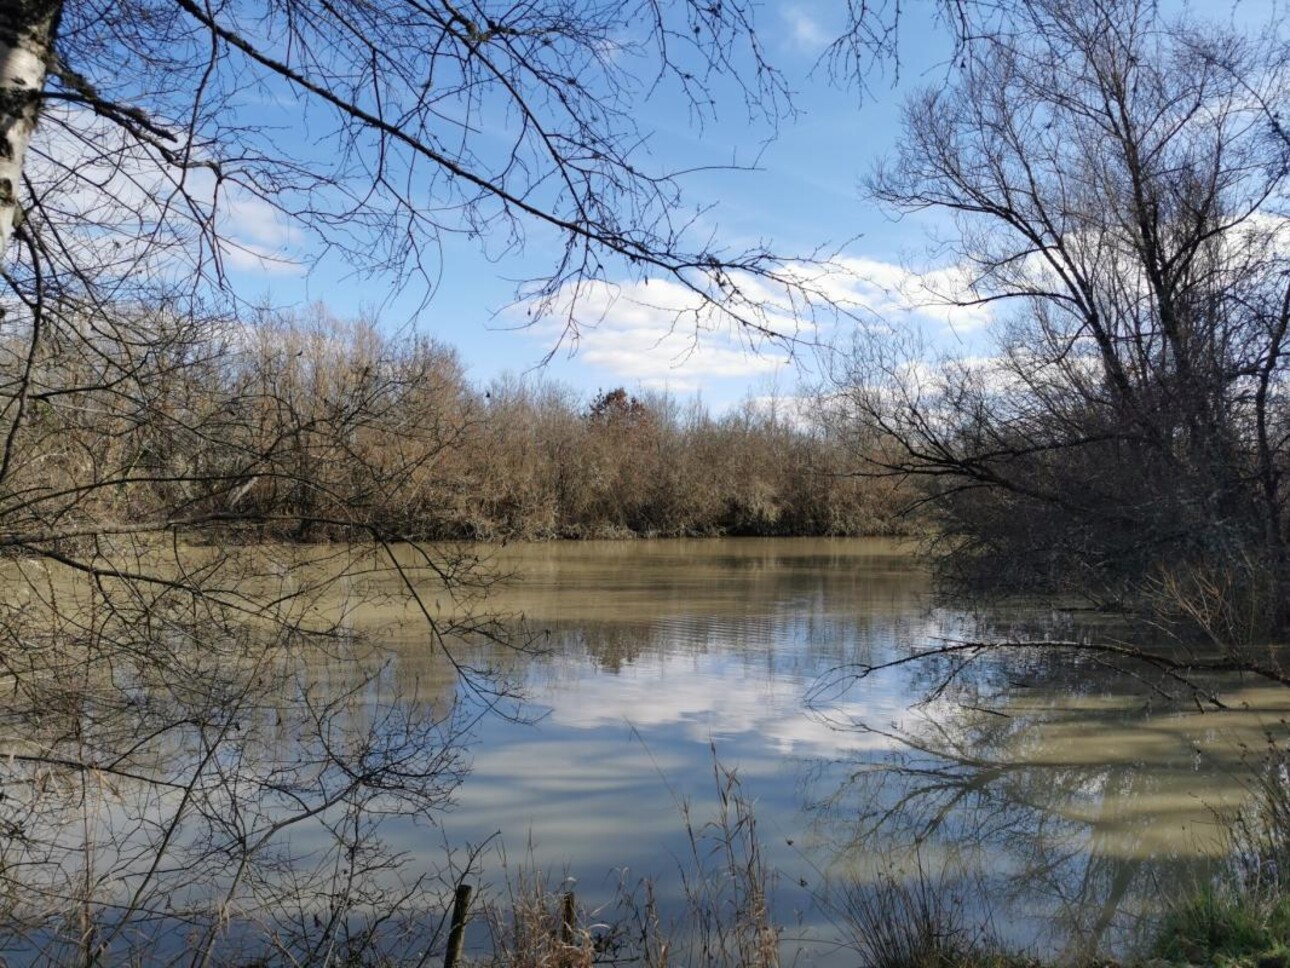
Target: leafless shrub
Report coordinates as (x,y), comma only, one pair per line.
(912,916)
(1117,176)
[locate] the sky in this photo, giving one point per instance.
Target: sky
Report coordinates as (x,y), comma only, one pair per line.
(802,192)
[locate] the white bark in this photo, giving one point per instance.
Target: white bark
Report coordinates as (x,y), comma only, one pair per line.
(26,46)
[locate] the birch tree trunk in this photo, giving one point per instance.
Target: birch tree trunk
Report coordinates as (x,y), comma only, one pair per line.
(27,29)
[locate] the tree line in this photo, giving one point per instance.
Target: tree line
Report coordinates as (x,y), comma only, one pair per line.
(305,427)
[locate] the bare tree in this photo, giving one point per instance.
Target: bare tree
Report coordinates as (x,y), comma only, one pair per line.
(1118,182)
(200,742)
(162,121)
(167,745)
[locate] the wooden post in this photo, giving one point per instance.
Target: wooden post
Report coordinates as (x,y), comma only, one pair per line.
(567,918)
(457,933)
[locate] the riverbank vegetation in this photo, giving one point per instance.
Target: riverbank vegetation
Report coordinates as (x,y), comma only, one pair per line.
(178,786)
(307,428)
(1109,187)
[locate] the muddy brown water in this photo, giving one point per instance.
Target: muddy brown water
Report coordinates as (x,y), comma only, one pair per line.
(1043,793)
(1054,797)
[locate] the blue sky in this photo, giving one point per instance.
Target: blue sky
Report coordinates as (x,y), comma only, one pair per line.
(803,193)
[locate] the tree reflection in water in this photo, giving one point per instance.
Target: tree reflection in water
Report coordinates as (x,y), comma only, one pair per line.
(198,772)
(1046,793)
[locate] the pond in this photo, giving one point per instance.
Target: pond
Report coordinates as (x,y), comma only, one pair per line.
(1062,790)
(588,739)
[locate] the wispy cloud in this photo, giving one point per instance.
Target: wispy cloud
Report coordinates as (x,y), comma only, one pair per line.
(941,296)
(256,236)
(804,31)
(126,210)
(659,334)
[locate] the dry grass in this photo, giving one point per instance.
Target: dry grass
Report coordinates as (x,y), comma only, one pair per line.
(725,921)
(729,922)
(914,917)
(537,925)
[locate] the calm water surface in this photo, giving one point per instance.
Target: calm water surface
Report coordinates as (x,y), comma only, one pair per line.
(1049,795)
(1040,792)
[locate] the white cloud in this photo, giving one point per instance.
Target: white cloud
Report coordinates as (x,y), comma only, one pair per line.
(126,211)
(659,334)
(899,294)
(256,236)
(804,30)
